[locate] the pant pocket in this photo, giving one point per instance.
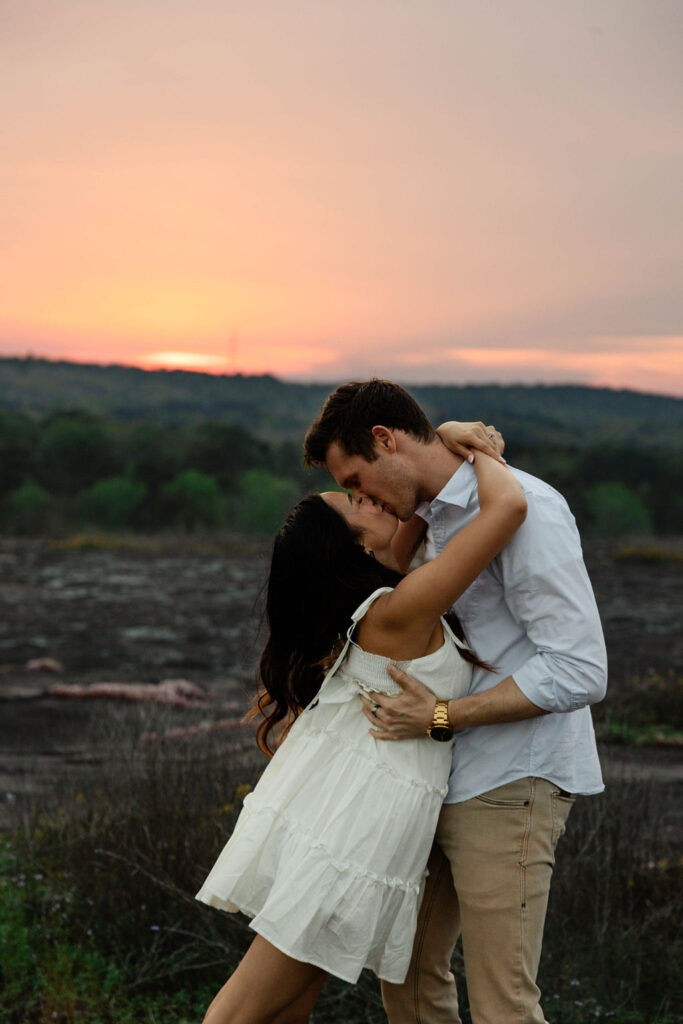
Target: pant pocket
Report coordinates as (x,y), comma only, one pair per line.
(561,807)
(512,794)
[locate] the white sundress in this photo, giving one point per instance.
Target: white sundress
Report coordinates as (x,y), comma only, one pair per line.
(328,856)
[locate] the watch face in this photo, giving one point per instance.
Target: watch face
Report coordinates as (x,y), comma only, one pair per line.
(441,732)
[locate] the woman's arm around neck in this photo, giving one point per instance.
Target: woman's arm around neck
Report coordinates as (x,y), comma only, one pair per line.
(413,608)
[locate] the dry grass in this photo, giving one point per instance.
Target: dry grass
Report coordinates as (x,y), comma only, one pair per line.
(649,552)
(197,542)
(110,933)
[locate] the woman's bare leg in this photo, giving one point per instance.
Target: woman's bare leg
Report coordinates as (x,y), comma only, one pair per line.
(300,1010)
(265,984)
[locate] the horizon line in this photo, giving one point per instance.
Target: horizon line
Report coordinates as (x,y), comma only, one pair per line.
(30,356)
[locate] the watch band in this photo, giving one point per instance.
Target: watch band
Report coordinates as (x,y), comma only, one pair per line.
(440,717)
(440,728)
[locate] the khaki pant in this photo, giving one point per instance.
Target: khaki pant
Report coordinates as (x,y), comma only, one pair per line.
(489,878)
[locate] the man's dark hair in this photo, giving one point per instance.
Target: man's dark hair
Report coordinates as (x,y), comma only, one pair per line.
(350,413)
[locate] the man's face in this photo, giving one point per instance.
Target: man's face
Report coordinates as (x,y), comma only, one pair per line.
(387,481)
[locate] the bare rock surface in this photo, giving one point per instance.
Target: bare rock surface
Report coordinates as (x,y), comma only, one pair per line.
(176,609)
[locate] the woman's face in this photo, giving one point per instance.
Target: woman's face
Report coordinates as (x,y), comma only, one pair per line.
(376,525)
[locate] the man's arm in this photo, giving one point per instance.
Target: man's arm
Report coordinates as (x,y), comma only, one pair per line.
(410,714)
(504,702)
(547,591)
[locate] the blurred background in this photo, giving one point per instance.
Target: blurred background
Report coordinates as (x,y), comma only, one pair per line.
(212,214)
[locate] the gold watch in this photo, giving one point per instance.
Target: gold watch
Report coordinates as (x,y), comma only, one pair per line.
(440,729)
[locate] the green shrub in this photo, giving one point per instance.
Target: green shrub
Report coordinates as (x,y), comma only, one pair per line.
(616,510)
(112,502)
(152,453)
(224,451)
(264,501)
(194,499)
(18,439)
(75,450)
(25,510)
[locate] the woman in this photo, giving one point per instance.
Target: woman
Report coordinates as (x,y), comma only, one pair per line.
(328,856)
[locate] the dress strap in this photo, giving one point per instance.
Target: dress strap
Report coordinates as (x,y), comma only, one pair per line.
(362,609)
(364,605)
(456,640)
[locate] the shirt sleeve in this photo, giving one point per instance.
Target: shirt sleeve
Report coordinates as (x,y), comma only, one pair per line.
(548,593)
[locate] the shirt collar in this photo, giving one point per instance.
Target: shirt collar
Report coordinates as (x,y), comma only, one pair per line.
(457,491)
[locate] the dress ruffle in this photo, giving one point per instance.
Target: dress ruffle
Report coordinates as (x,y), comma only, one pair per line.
(345,914)
(352,744)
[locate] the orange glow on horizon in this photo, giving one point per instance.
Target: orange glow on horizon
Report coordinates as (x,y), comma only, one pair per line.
(257,359)
(647,364)
(186,361)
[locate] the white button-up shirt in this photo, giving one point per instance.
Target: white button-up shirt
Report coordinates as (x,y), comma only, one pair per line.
(531,614)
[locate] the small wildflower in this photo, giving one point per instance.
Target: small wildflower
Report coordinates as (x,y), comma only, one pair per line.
(154,927)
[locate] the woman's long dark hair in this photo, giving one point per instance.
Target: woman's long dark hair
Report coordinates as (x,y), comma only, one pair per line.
(319,574)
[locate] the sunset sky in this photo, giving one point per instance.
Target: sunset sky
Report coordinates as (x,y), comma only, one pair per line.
(430,190)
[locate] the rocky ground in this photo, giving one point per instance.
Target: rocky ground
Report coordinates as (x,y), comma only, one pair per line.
(169,609)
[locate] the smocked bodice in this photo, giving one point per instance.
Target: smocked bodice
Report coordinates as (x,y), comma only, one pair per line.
(445,672)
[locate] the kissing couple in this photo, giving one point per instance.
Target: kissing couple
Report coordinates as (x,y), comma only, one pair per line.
(428,729)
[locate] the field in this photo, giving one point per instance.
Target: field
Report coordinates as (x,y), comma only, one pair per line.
(112,810)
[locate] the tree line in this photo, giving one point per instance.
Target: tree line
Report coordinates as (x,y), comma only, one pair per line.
(74,468)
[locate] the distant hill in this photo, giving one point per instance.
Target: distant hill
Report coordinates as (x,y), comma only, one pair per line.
(558,415)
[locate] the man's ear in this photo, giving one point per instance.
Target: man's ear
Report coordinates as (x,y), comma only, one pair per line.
(384,439)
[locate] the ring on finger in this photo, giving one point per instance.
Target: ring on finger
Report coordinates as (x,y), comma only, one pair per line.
(374,709)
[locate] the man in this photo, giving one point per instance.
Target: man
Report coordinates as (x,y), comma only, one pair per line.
(524,744)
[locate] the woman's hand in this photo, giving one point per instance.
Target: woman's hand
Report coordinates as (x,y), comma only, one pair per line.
(464,438)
